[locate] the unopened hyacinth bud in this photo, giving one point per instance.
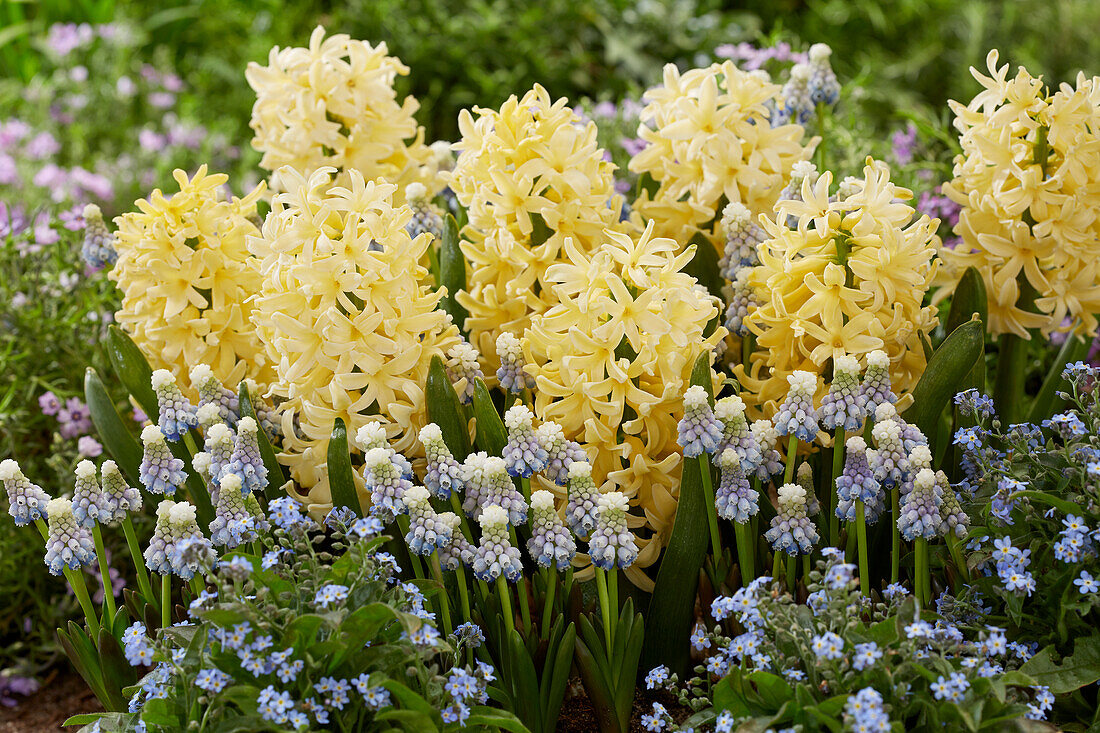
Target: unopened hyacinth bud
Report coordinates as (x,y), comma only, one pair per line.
(843,406)
(743,235)
(804,477)
(219,444)
(792,531)
(511,373)
(734,498)
(68,545)
(856,483)
(889,463)
(98,250)
(698,431)
(175,523)
(876,381)
(824,87)
(560,452)
(160,472)
(175,414)
(920,512)
(387,485)
(373,435)
(796,414)
(488,484)
(742,302)
(246,461)
(953,520)
(612,543)
(444,473)
(118,496)
(88,501)
(26,501)
(796,105)
(213,392)
(550,543)
(458,551)
(232,518)
(462,369)
(580,511)
(766,437)
(523,455)
(496,556)
(736,433)
(426,532)
(426,216)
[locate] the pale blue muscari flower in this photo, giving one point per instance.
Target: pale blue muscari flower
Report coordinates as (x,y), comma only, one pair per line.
(743,236)
(26,501)
(698,431)
(511,373)
(918,458)
(844,405)
(523,455)
(496,556)
(87,496)
(889,463)
(823,84)
(856,483)
(736,433)
(118,496)
(953,520)
(426,216)
(98,250)
(373,435)
(160,472)
(426,532)
(735,499)
(911,436)
(208,416)
(68,545)
(920,512)
(444,473)
(387,485)
(804,477)
(796,105)
(176,414)
(458,551)
(232,520)
(791,530)
(463,369)
(796,414)
(488,484)
(742,302)
(213,392)
(246,461)
(550,543)
(580,511)
(560,452)
(612,544)
(876,381)
(218,443)
(766,436)
(175,523)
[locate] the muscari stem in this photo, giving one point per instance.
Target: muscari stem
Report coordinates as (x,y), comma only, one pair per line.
(414,559)
(506,604)
(80,590)
(744,552)
(144,585)
(521,587)
(792,448)
(104,576)
(791,574)
(838,463)
(605,607)
(861,542)
(895,538)
(956,555)
(165,601)
(712,511)
(444,598)
(548,600)
(920,569)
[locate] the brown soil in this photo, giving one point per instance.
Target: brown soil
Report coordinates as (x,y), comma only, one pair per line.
(578,715)
(62,695)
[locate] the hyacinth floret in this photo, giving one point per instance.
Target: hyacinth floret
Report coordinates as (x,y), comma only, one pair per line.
(550,543)
(160,472)
(791,530)
(176,414)
(246,460)
(766,437)
(857,483)
(26,501)
(427,532)
(232,518)
(844,406)
(920,511)
(581,510)
(612,543)
(743,235)
(488,484)
(68,545)
(458,551)
(889,462)
(444,473)
(88,499)
(213,392)
(463,369)
(560,452)
(98,250)
(175,523)
(953,519)
(736,433)
(824,87)
(495,555)
(118,496)
(698,431)
(735,499)
(511,373)
(742,301)
(796,413)
(877,388)
(523,454)
(385,482)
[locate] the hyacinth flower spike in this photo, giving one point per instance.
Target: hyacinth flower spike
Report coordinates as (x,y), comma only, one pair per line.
(699,433)
(176,415)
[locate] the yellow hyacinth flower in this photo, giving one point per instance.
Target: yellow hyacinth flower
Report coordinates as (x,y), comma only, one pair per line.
(710,143)
(334,104)
(531,175)
(611,360)
(1028,181)
(850,278)
(186,278)
(345,318)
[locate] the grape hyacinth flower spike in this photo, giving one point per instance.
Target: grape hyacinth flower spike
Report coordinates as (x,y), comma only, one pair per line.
(426,532)
(742,302)
(889,462)
(560,452)
(426,216)
(766,436)
(98,250)
(511,374)
(612,543)
(26,501)
(458,551)
(176,415)
(843,407)
(88,502)
(699,431)
(444,473)
(495,556)
(954,521)
(68,545)
(118,496)
(373,435)
(920,514)
(581,509)
(735,498)
(232,519)
(175,523)
(743,236)
(463,369)
(213,392)
(796,414)
(523,455)
(487,483)
(791,530)
(736,433)
(160,471)
(387,485)
(876,386)
(246,461)
(804,477)
(856,483)
(551,544)
(823,84)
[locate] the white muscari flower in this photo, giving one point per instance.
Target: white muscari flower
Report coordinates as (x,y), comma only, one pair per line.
(444,473)
(791,530)
(580,511)
(427,532)
(87,496)
(176,415)
(373,435)
(496,556)
(511,374)
(844,405)
(219,444)
(888,461)
(735,499)
(213,392)
(160,472)
(458,551)
(67,543)
(698,431)
(523,455)
(743,234)
(26,501)
(796,413)
(550,543)
(560,452)
(118,496)
(387,485)
(462,369)
(612,543)
(208,416)
(246,461)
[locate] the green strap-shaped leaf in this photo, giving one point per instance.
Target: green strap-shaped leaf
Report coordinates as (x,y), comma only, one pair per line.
(558,671)
(969,298)
(132,370)
(946,370)
(495,719)
(704,265)
(445,410)
(452,267)
(117,438)
(492,436)
(528,702)
(276,474)
(672,605)
(634,631)
(117,672)
(1047,401)
(341,480)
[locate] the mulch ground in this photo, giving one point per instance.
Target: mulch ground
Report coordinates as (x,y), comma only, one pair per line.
(62,695)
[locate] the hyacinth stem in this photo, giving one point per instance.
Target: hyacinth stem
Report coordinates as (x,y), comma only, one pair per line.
(838,463)
(861,541)
(548,600)
(104,576)
(895,538)
(920,570)
(444,597)
(165,601)
(521,587)
(744,552)
(792,448)
(144,585)
(792,571)
(506,604)
(746,350)
(956,555)
(80,590)
(712,510)
(605,607)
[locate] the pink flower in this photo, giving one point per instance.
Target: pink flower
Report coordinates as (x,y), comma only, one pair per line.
(72,218)
(42,145)
(151,141)
(162,100)
(88,447)
(49,403)
(74,419)
(8,172)
(139,416)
